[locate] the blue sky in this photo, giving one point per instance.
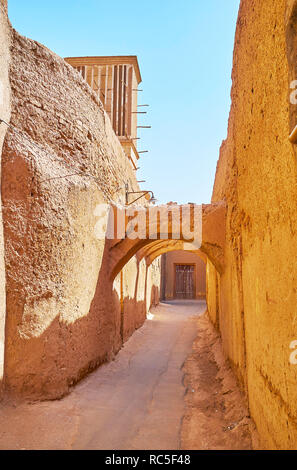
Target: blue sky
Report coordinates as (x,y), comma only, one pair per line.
(185,53)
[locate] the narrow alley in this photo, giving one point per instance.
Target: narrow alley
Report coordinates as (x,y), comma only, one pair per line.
(135,402)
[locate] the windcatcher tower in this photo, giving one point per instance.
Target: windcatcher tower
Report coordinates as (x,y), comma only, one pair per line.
(115,80)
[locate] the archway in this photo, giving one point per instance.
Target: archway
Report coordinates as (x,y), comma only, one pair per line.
(211,238)
(149,241)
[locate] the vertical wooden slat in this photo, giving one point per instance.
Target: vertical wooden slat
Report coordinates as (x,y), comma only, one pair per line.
(111,93)
(102,85)
(95,79)
(117,96)
(120,100)
(115,86)
(92,77)
(129,102)
(99,83)
(124,130)
(106,88)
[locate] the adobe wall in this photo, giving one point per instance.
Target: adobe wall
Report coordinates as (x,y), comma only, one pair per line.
(153,284)
(184,257)
(138,285)
(5,33)
(64,315)
(254,302)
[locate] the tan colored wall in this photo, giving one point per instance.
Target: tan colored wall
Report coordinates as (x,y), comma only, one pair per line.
(256,175)
(63,314)
(153,284)
(212,293)
(5,33)
(183,257)
(138,286)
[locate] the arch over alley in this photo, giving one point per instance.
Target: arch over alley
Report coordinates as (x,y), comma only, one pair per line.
(150,241)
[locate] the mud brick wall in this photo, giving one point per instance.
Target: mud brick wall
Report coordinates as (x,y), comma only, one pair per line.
(63,313)
(254,301)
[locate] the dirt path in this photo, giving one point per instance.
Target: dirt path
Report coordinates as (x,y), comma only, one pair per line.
(138,400)
(216,416)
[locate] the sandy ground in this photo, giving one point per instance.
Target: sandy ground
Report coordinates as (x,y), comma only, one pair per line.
(157,394)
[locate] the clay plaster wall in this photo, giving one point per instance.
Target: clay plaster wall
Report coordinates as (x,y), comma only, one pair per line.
(256,175)
(64,316)
(138,287)
(153,284)
(212,283)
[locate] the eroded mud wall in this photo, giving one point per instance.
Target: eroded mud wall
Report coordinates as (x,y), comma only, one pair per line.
(138,287)
(59,166)
(5,36)
(256,175)
(153,284)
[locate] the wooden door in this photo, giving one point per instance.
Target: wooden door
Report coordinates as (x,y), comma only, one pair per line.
(184,281)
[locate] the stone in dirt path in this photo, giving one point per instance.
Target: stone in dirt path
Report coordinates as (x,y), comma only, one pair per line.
(138,400)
